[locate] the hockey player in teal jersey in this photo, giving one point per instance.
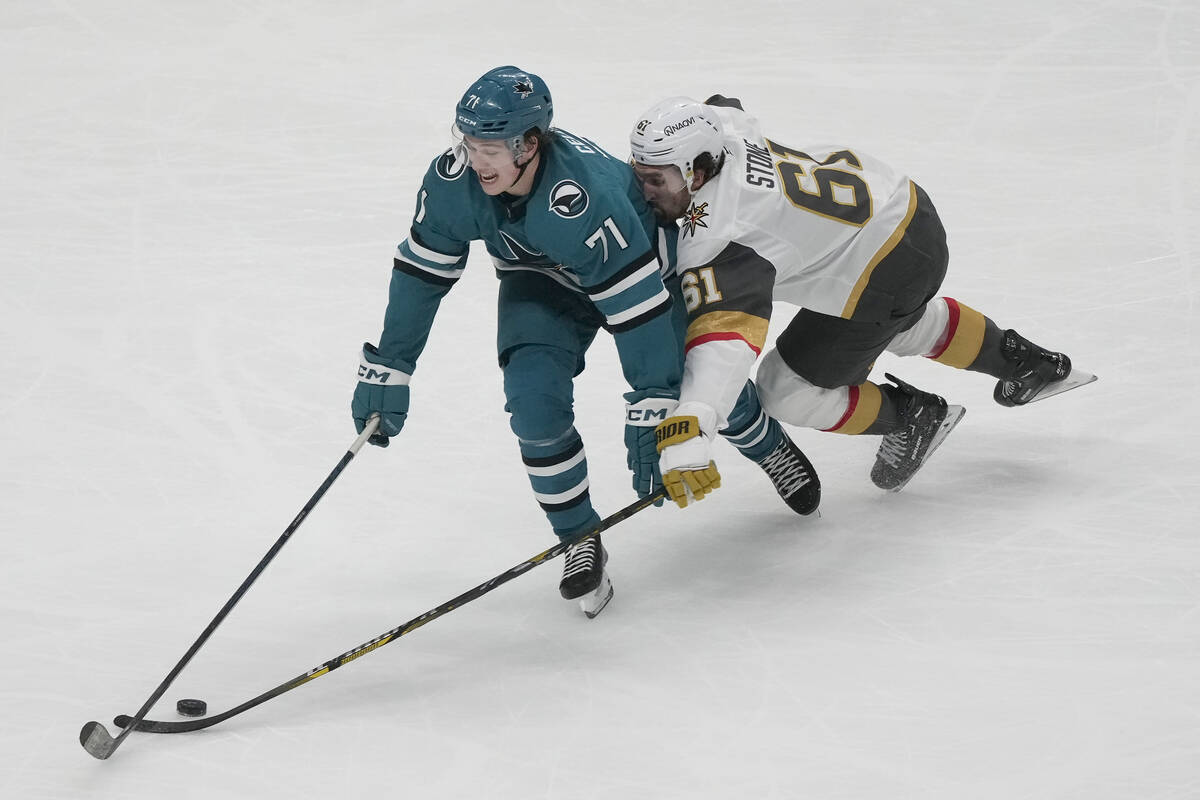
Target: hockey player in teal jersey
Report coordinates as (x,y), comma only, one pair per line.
(576,249)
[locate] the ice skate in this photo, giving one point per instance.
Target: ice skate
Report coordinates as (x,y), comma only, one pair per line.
(925,421)
(584,577)
(1034,374)
(594,602)
(793,476)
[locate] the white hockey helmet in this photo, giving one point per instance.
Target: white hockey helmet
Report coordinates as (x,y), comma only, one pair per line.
(677,131)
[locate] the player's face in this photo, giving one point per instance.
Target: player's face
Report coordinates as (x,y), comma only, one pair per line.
(493,163)
(664,190)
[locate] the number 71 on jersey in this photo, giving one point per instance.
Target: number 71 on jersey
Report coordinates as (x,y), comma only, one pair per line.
(600,237)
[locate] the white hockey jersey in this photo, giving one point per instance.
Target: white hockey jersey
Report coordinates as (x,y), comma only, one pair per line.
(805,227)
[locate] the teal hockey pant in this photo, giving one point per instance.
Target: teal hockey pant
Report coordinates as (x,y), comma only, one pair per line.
(544,329)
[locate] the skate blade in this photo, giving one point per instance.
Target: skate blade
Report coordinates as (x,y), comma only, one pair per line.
(1074,380)
(592,604)
(954,415)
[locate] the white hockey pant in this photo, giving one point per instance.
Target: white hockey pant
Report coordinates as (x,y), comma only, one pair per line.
(790,398)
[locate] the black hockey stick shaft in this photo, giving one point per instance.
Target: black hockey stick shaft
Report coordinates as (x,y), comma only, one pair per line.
(94,737)
(153,726)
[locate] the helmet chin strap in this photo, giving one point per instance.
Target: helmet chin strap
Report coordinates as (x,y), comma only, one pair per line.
(521,172)
(688,182)
(517,153)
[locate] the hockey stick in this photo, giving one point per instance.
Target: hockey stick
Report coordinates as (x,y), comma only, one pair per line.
(155,726)
(94,737)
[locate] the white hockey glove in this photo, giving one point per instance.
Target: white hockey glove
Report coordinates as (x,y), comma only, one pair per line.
(684,443)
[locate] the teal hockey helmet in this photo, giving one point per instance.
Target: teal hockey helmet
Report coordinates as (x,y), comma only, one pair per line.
(505,103)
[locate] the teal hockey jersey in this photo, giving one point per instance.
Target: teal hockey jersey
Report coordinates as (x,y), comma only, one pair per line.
(584,225)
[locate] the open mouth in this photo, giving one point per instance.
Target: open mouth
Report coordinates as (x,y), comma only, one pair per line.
(488,178)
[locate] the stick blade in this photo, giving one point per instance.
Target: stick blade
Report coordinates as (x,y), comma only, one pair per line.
(157,726)
(96,739)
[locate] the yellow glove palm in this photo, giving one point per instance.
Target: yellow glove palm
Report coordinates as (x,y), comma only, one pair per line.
(687,471)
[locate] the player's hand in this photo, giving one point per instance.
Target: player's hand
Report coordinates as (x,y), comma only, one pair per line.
(641,453)
(382,388)
(684,442)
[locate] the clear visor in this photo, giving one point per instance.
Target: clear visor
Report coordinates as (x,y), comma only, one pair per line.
(654,179)
(458,144)
(464,145)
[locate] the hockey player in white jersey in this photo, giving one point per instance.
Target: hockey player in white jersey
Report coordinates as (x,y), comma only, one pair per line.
(853,242)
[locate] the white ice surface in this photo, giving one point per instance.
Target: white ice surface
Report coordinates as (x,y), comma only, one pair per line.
(198,207)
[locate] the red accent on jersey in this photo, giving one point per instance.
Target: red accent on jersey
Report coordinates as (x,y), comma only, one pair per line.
(720,337)
(951,328)
(850,407)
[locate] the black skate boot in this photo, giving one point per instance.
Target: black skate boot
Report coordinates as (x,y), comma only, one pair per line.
(793,476)
(925,420)
(584,577)
(1032,371)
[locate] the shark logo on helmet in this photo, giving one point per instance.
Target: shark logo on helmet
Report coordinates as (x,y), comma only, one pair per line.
(523,88)
(568,199)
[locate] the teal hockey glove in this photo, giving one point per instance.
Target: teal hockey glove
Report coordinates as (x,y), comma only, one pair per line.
(383,388)
(641,449)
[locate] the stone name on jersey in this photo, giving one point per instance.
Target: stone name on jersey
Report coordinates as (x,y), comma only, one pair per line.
(760,167)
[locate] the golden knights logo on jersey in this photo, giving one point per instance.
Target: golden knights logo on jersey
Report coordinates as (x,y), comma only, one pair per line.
(694,218)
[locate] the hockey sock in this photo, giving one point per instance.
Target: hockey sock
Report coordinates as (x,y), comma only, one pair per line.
(966,338)
(752,433)
(973,342)
(558,474)
(871,409)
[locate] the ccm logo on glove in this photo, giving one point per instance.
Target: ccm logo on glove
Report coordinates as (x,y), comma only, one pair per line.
(646,416)
(369,375)
(378,375)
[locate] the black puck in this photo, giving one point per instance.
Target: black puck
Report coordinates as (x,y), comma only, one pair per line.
(192,708)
